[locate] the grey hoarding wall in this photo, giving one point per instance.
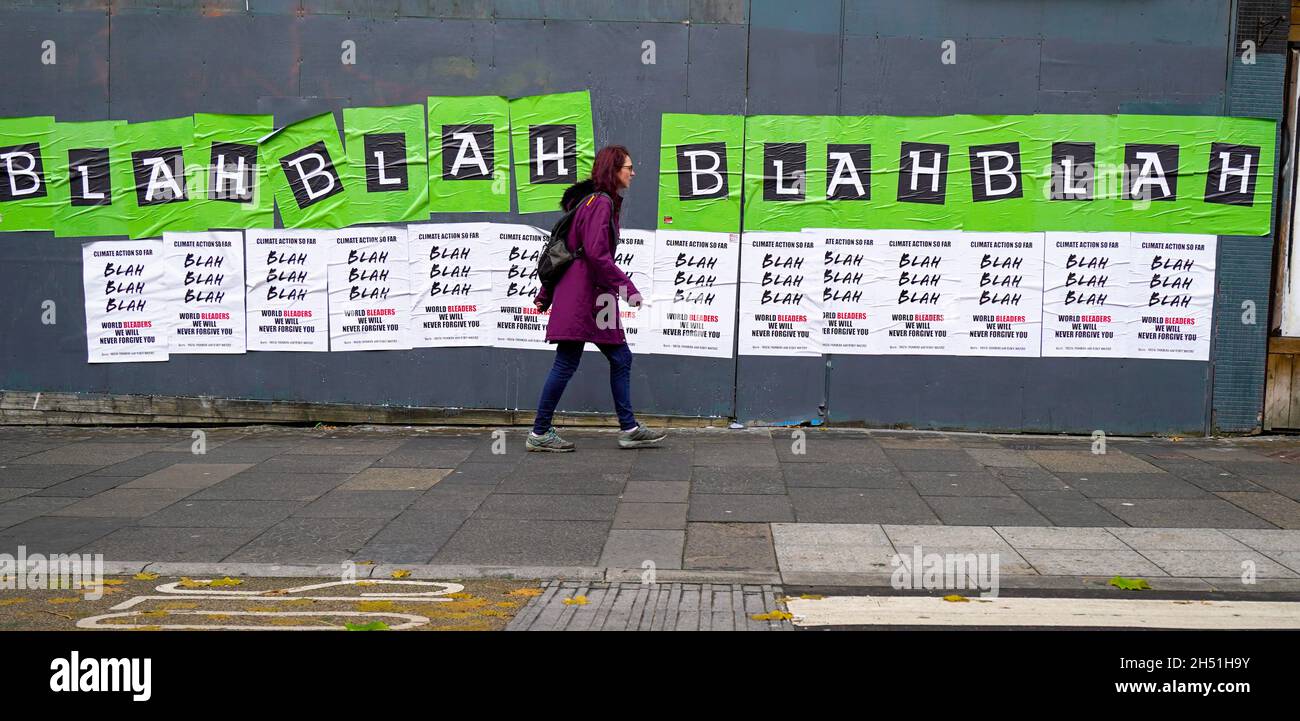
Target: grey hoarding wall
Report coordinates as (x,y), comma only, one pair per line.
(724,56)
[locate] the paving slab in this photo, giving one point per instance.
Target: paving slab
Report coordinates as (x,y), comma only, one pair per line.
(222,514)
(722,546)
(738,508)
(716,479)
(860,505)
(531,542)
(1069,508)
(1060,539)
(1090,562)
(650,516)
(833,475)
(259,486)
(656,492)
(547,507)
(189,475)
(47,534)
(1177,539)
(309,540)
(136,543)
(395,479)
(1207,564)
(1085,461)
(633,548)
(1181,513)
(124,503)
(40,476)
(986,511)
(1272,507)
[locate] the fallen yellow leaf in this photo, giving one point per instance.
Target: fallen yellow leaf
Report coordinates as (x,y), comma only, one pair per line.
(401,573)
(142,576)
(12,601)
(376,606)
(525,592)
(576,601)
(227,581)
(773,616)
(187,582)
(954,598)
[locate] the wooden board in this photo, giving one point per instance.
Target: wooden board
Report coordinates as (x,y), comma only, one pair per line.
(1280,392)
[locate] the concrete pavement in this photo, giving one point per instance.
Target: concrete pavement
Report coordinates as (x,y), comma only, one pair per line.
(764,506)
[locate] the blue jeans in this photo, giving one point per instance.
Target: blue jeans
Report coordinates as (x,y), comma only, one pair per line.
(568,353)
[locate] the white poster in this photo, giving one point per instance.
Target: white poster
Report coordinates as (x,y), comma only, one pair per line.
(369,289)
(1172,281)
(1001,294)
(920,308)
(1087,300)
(515,322)
(780,295)
(205,274)
(286,289)
(853,280)
(635,256)
(451,284)
(126,294)
(694,307)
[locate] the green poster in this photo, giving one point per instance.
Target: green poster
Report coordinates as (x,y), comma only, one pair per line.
(553,145)
(306,163)
(1011,173)
(26,202)
(157,177)
(808,171)
(81,180)
(1075,176)
(387,176)
(235,194)
(1224,174)
(469,155)
(699,172)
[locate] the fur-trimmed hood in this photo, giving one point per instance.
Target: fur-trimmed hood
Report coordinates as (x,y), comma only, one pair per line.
(577,192)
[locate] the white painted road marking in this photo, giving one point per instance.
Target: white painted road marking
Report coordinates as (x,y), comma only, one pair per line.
(409,620)
(444,589)
(1068,612)
(173,592)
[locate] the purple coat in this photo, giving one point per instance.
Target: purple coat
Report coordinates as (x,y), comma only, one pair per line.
(576,300)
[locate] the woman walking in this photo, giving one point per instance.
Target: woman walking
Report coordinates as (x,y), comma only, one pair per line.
(586,303)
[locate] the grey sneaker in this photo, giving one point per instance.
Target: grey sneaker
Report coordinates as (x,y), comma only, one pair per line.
(550,441)
(639,437)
